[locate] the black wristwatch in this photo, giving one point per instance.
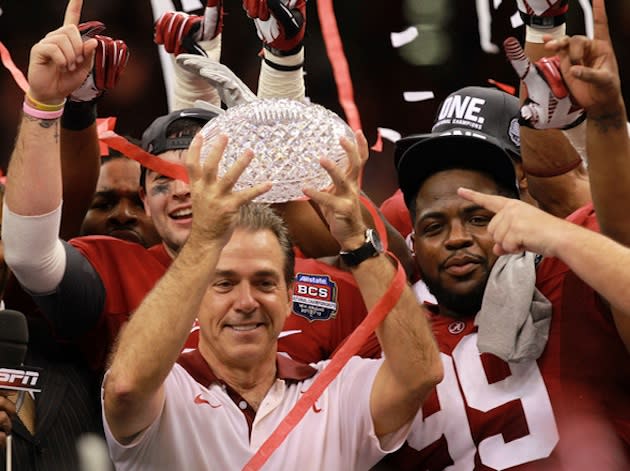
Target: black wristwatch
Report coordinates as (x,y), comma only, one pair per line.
(372,247)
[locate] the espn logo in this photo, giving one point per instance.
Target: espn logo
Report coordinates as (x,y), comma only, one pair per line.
(20,379)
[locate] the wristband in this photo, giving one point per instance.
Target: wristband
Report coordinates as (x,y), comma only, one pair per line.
(283,68)
(39,114)
(543,22)
(78,115)
(535,35)
(38,105)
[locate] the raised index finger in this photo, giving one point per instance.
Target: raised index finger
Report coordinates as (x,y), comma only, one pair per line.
(494,203)
(73,12)
(600,21)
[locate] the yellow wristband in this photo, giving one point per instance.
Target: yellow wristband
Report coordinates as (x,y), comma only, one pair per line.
(43,106)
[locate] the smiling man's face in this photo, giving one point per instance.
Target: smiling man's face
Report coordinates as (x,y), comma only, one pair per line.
(247,302)
(453,248)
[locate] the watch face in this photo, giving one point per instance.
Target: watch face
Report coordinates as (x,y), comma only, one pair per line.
(375,240)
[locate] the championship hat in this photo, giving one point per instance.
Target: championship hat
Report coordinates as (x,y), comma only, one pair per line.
(475,128)
(155,138)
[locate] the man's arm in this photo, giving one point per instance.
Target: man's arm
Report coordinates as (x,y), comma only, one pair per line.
(134,386)
(143,356)
(556,177)
(590,70)
(58,64)
(412,365)
(596,259)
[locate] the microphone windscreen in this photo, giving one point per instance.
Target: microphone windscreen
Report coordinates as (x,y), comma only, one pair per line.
(13,338)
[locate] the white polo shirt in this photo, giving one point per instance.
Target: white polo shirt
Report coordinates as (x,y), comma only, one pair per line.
(212,428)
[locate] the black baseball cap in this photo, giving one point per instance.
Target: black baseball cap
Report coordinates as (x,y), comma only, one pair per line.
(475,128)
(155,138)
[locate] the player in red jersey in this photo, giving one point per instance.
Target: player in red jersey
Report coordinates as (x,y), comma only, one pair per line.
(491,414)
(564,403)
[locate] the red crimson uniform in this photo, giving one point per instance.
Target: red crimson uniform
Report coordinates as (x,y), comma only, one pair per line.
(568,410)
(327,307)
(396,212)
(127,271)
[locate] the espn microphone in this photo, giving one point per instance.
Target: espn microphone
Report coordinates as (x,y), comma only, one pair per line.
(13,345)
(14,375)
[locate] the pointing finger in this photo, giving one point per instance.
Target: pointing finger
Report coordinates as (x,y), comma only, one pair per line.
(492,202)
(73,12)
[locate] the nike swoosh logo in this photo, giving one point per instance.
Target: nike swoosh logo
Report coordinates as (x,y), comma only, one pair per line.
(200,400)
(286,333)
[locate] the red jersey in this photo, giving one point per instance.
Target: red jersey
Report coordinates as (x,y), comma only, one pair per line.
(327,307)
(395,211)
(128,271)
(570,409)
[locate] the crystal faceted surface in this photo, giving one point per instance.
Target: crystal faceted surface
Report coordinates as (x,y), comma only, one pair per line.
(288,137)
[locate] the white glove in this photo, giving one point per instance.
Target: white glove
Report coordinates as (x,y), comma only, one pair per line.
(230,88)
(549,104)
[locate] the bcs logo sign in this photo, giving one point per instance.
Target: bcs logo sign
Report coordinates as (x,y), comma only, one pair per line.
(315,297)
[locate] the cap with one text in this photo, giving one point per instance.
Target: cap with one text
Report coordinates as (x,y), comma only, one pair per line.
(155,139)
(475,128)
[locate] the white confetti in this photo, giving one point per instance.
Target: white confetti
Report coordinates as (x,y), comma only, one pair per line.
(389,134)
(191,5)
(404,37)
(418,96)
(516,20)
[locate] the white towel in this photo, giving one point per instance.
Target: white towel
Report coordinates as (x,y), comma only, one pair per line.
(515,317)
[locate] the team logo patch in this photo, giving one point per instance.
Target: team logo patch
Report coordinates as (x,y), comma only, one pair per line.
(514,132)
(456,327)
(315,297)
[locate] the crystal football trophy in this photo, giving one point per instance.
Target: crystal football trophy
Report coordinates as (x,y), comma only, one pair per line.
(287,137)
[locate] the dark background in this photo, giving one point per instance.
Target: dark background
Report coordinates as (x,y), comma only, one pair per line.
(380,73)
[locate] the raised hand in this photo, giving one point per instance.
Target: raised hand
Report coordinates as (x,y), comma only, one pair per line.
(60,62)
(518,226)
(340,203)
(180,32)
(280,23)
(110,60)
(214,203)
(549,105)
(589,67)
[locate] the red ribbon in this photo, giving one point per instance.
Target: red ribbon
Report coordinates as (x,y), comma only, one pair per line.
(102,125)
(347,350)
(338,61)
(163,167)
(378,145)
(17,74)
